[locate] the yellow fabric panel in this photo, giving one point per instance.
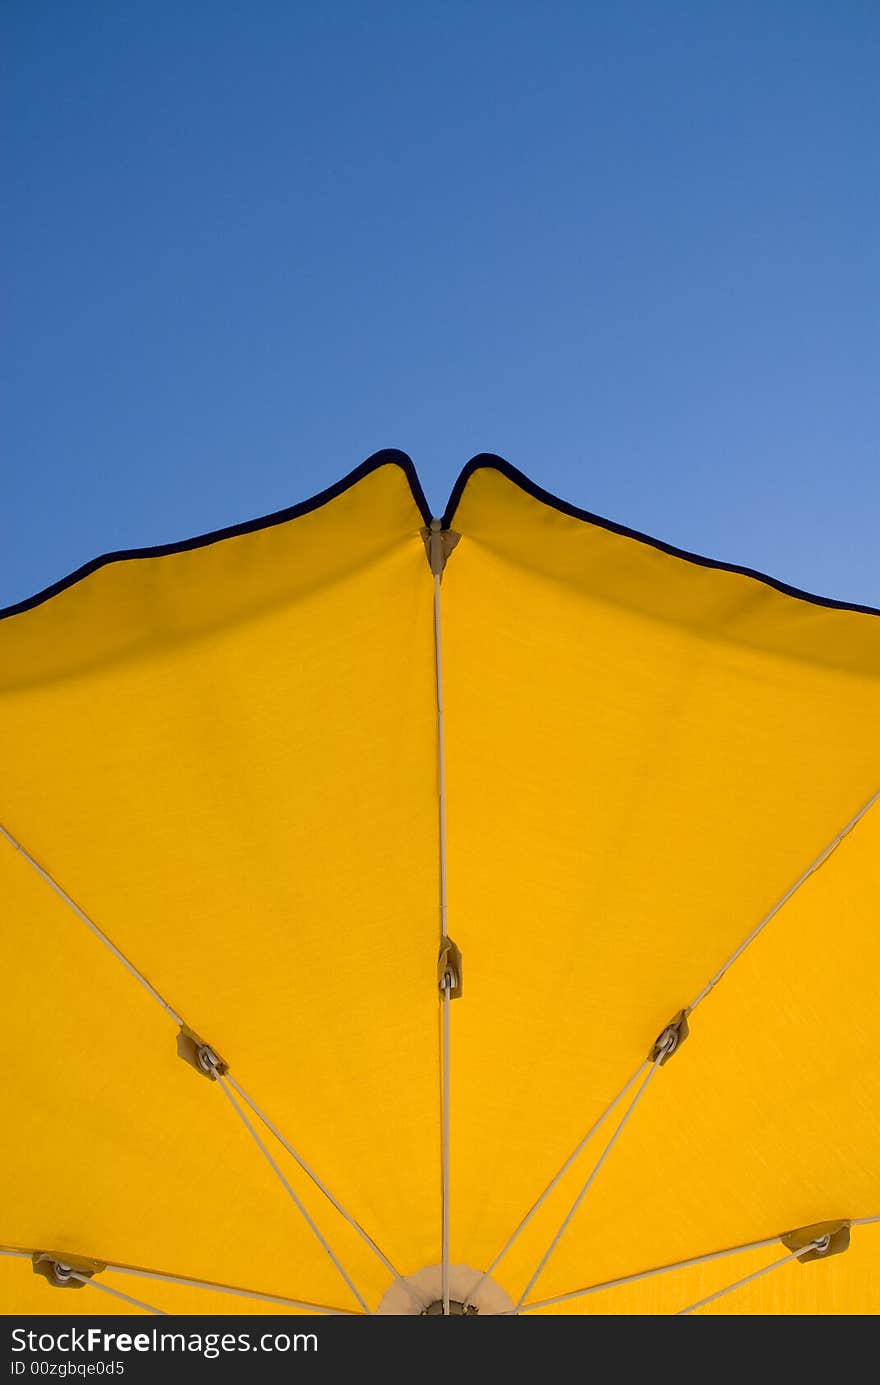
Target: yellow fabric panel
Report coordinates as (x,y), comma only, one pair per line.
(643,578)
(111,1147)
(644,755)
(769,1117)
(227,756)
(231,766)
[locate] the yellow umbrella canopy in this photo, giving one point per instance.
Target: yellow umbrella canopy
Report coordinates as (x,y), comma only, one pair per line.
(362,882)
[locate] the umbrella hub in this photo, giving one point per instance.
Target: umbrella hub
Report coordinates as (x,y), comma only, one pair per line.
(471,1294)
(457,1309)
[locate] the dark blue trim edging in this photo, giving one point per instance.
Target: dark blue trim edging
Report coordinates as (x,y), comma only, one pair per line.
(488,461)
(484,461)
(388,456)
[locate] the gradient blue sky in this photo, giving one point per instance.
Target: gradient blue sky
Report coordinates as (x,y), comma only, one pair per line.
(632,247)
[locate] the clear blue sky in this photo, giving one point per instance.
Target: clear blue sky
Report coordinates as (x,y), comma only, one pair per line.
(633,247)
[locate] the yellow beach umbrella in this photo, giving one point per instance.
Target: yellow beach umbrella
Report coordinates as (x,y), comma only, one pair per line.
(362,879)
